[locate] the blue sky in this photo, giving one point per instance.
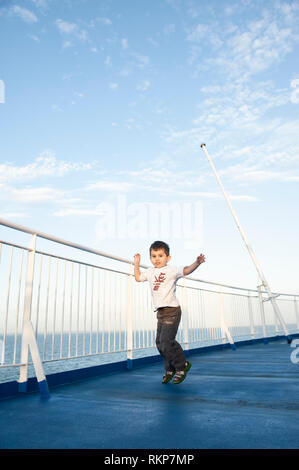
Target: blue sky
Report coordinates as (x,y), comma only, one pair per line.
(104,105)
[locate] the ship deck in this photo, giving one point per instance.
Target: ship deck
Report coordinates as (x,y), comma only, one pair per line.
(246,398)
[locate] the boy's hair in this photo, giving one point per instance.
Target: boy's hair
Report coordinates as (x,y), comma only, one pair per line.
(157,245)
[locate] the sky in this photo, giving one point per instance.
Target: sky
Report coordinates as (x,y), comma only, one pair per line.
(104,105)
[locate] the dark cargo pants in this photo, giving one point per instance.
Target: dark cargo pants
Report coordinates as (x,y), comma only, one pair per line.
(171,351)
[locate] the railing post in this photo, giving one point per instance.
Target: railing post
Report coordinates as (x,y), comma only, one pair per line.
(276,325)
(250,315)
(296,312)
(129,323)
(221,309)
(259,288)
(185,319)
(28,335)
(224,328)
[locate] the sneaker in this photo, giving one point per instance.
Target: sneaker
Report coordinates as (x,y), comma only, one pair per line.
(180,375)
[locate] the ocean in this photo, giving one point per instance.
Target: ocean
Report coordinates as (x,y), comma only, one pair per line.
(62,352)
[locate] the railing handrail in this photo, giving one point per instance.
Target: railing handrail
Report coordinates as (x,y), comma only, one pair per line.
(21,228)
(61,241)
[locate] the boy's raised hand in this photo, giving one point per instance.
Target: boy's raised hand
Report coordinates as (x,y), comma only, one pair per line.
(201,258)
(137,259)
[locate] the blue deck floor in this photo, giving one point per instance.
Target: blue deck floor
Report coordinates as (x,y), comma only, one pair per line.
(248,398)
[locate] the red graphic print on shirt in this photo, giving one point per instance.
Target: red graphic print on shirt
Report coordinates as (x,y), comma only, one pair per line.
(158,280)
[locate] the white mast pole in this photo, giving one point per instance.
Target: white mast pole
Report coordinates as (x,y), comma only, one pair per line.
(258,268)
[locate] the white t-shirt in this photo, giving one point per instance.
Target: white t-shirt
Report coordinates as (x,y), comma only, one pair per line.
(163,284)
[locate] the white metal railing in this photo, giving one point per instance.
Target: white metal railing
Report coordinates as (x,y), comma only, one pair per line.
(86,304)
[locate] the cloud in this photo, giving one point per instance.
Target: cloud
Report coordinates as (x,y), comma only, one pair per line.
(113,86)
(118,186)
(197,33)
(141,61)
(108,61)
(194,135)
(33,37)
(24,14)
(66,28)
(77,212)
(255,175)
(144,85)
(235,111)
(275,160)
(183,184)
(29,194)
(146,180)
(44,165)
(55,107)
(40,3)
(105,21)
(169,29)
(158,176)
(243,49)
(14,215)
(256,49)
(153,42)
(295,93)
(208,195)
(34,195)
(288,10)
(124,43)
(71,29)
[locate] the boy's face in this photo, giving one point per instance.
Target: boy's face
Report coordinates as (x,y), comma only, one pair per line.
(159,258)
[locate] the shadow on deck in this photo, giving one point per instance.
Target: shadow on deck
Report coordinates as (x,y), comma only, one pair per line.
(248,398)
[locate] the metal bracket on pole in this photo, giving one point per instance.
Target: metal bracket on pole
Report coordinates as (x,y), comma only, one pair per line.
(273,297)
(277,312)
(257,266)
(28,337)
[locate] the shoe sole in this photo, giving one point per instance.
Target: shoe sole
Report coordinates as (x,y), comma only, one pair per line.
(166,381)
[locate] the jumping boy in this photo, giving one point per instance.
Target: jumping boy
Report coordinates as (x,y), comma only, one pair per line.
(162,279)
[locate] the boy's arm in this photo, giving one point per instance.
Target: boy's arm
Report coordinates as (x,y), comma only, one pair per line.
(136,267)
(189,269)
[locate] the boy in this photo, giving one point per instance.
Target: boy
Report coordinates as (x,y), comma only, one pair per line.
(163,280)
